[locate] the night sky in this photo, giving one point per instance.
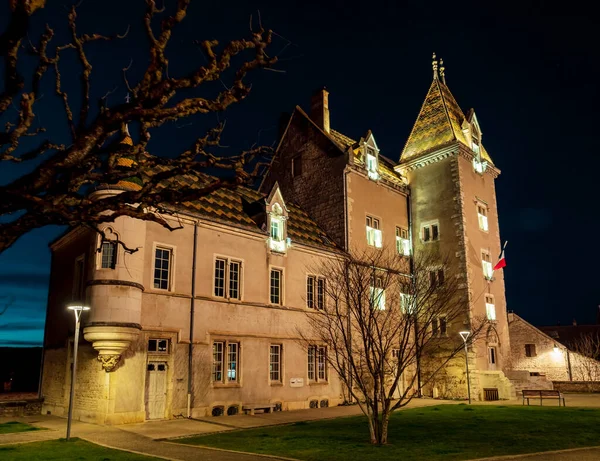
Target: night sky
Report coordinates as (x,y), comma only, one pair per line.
(530,70)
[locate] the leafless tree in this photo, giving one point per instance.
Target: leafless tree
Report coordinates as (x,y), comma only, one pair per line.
(585,362)
(54,191)
(384,316)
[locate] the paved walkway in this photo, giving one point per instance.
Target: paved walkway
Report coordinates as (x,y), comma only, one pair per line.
(149,438)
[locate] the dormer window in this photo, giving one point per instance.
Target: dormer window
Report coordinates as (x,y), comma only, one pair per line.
(372,167)
(277,234)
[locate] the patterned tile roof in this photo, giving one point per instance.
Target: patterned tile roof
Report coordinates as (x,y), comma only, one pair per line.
(439,123)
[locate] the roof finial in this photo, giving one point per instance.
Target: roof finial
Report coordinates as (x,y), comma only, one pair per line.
(442,69)
(434,64)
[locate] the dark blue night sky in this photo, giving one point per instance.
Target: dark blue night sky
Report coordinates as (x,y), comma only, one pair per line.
(530,71)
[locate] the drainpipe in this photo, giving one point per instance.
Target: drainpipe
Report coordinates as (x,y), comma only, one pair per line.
(192,308)
(412,275)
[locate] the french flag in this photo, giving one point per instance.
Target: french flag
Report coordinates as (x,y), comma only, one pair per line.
(501,259)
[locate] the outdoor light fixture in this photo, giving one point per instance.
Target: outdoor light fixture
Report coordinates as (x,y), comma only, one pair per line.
(465,335)
(77,310)
(556,348)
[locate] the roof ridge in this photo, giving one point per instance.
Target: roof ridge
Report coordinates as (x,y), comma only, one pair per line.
(446,107)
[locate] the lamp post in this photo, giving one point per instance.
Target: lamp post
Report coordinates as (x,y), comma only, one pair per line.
(77,310)
(464,335)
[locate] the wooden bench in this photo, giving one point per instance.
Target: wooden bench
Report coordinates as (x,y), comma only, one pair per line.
(265,407)
(542,394)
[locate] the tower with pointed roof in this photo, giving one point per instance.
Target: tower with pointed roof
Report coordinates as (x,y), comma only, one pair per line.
(453,207)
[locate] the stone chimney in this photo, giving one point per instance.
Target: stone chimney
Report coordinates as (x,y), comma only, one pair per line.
(319,109)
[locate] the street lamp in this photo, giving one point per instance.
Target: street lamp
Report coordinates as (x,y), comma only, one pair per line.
(464,335)
(77,310)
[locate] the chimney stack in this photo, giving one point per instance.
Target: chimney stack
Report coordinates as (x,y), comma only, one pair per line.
(319,109)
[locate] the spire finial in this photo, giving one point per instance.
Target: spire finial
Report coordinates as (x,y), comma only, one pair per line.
(434,64)
(442,73)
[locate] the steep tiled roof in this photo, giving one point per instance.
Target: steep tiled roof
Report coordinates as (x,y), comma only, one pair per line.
(438,124)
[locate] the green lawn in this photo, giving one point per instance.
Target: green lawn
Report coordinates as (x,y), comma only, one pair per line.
(14,426)
(61,450)
(445,432)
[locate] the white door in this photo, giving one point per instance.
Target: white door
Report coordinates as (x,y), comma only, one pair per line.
(156,390)
(492,357)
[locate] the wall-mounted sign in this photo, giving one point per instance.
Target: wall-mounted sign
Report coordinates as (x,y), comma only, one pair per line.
(296,382)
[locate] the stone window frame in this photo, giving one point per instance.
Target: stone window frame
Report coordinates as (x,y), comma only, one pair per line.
(402,236)
(528,350)
(157,352)
(317,352)
(430,224)
(227,287)
(315,301)
(486,264)
(225,362)
(279,380)
(493,304)
(173,250)
(486,227)
(436,326)
(373,224)
(100,249)
(281,270)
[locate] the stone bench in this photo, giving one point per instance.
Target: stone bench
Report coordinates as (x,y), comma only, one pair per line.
(543,394)
(265,407)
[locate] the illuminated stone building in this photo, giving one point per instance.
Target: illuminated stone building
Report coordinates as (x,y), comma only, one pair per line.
(204,319)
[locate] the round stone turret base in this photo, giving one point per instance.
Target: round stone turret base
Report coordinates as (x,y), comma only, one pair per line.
(111,341)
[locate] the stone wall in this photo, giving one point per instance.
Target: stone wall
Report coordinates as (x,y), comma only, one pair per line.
(577,386)
(21,407)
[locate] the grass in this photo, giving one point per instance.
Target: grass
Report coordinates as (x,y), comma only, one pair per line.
(445,432)
(61,450)
(14,426)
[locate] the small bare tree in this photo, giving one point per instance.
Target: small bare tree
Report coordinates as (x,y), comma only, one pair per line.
(384,315)
(586,364)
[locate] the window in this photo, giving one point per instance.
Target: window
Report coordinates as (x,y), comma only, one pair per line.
(430,232)
(108,255)
(490,308)
(317,363)
(225,354)
(402,241)
(486,262)
(275,285)
(436,278)
(275,363)
(227,278)
(372,164)
(78,279)
(482,217)
(158,346)
(296,166)
(492,355)
(277,231)
(377,293)
(162,268)
(315,292)
(530,350)
(407,303)
(439,326)
(374,235)
(476,146)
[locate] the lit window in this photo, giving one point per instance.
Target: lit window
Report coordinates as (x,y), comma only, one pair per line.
(407,303)
(372,169)
(479,165)
(315,292)
(311,363)
(430,232)
(476,146)
(490,307)
(225,356)
(227,278)
(158,346)
(162,268)
(486,262)
(108,252)
(377,293)
(277,232)
(530,350)
(482,217)
(275,286)
(402,241)
(275,363)
(374,234)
